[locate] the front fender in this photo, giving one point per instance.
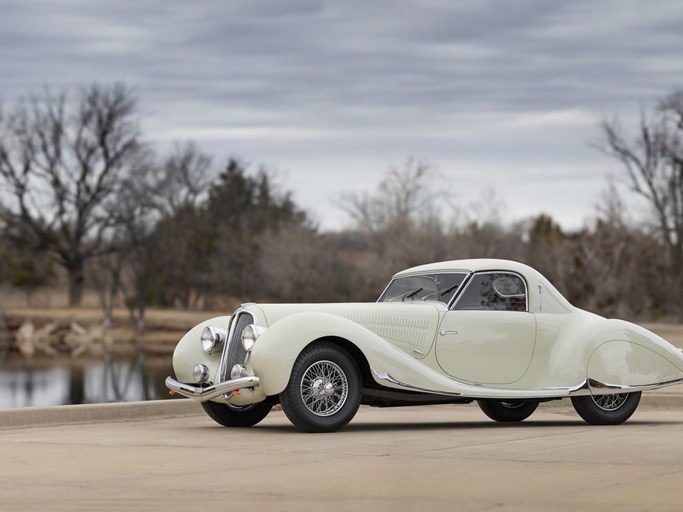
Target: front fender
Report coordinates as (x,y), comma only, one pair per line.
(189,351)
(277,349)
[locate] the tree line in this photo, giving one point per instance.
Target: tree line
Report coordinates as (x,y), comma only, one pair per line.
(85,198)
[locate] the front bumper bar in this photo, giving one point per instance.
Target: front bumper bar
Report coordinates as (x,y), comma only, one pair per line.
(204,394)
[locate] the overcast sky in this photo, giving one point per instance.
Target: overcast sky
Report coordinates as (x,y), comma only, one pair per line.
(491,93)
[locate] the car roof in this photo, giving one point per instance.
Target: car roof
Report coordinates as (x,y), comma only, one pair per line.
(554,301)
(471,265)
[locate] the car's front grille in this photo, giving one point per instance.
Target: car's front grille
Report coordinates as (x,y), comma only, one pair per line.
(234,353)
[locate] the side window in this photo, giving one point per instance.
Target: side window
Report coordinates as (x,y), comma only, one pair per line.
(498,291)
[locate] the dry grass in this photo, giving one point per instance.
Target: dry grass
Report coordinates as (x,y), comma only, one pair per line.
(673,333)
(157,319)
(164,327)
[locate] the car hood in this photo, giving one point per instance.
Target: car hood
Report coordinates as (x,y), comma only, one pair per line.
(407,325)
(272,313)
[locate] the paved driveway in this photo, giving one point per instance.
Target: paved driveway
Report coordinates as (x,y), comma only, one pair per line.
(424,459)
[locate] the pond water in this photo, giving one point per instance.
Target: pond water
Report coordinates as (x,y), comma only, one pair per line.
(68,382)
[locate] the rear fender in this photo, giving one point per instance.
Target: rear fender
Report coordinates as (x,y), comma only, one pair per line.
(636,358)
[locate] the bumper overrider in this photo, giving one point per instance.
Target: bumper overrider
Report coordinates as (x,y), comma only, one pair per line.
(205,393)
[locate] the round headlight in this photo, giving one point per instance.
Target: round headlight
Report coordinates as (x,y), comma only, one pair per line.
(212,338)
(249,336)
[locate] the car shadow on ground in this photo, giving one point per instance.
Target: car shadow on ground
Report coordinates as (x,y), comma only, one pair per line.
(364,426)
(480,425)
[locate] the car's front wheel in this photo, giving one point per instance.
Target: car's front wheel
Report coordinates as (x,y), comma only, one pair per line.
(606,409)
(510,411)
(324,389)
(234,416)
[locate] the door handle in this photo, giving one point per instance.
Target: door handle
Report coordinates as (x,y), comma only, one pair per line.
(444,332)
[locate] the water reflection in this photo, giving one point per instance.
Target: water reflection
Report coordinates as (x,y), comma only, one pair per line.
(95,382)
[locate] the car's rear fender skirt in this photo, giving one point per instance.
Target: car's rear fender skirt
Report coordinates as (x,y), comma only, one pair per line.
(626,364)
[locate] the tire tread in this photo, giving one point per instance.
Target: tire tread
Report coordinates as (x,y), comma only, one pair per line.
(224,415)
(591,413)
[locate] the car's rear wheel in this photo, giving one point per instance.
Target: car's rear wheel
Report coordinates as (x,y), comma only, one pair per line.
(510,411)
(606,409)
(324,389)
(234,416)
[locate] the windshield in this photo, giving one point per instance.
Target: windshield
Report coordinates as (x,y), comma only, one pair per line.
(438,287)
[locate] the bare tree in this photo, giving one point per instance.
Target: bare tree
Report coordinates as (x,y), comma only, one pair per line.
(181,181)
(62,161)
(478,230)
(403,199)
(615,263)
(401,222)
(299,265)
(653,163)
(26,262)
(156,218)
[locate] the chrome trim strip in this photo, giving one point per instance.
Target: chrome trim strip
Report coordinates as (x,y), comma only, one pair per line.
(580,390)
(463,286)
(379,299)
(604,388)
(223,370)
(389,381)
(379,377)
(587,387)
(203,394)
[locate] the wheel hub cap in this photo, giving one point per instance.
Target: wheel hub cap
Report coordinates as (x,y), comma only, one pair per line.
(322,388)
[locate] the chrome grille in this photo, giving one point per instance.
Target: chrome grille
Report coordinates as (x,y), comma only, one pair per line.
(234,353)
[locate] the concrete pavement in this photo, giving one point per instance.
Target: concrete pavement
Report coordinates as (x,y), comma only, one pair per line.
(670,397)
(169,456)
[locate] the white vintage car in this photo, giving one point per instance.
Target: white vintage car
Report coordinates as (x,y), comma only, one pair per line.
(494,331)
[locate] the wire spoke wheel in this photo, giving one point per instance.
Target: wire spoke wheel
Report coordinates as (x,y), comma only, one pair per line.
(610,402)
(611,409)
(324,388)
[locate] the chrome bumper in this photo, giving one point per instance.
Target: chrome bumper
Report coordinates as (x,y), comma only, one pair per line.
(203,394)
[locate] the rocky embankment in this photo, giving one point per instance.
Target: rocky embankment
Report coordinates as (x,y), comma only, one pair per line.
(49,333)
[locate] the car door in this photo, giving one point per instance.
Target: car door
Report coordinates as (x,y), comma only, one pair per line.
(488,335)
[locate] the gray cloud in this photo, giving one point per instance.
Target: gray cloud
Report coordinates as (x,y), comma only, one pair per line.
(334,92)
